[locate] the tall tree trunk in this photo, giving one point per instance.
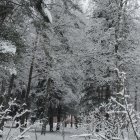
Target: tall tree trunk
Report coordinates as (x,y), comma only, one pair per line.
(3,86)
(48,95)
(76,122)
(50,114)
(2,100)
(7,97)
(1,125)
(66,121)
(58,117)
(51,122)
(71,122)
(45,119)
(30,79)
(108,94)
(136,100)
(10,86)
(27,101)
(31,68)
(22,122)
(2,91)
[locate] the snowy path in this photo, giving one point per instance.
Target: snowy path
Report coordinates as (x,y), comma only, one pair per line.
(57,135)
(49,135)
(52,136)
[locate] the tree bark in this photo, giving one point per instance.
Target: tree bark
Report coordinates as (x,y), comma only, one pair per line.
(50,114)
(108,94)
(71,121)
(2,91)
(51,122)
(58,117)
(9,91)
(3,86)
(11,84)
(27,101)
(76,122)
(48,95)
(31,69)
(30,80)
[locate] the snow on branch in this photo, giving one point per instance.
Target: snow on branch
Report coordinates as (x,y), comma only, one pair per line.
(21,114)
(7,47)
(114,100)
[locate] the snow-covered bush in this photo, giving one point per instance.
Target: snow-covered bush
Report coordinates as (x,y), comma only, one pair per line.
(116,119)
(12,115)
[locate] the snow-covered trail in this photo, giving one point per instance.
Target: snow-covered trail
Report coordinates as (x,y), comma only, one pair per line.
(56,135)
(51,136)
(31,135)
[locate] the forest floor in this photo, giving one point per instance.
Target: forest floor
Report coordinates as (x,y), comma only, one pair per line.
(31,134)
(34,133)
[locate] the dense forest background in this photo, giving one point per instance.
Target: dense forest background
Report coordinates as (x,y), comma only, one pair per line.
(64,57)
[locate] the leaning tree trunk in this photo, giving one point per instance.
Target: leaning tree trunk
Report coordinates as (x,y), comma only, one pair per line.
(27,101)
(31,69)
(29,80)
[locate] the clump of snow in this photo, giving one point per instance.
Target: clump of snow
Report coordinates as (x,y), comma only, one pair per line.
(7,47)
(33,11)
(13,71)
(46,11)
(121,92)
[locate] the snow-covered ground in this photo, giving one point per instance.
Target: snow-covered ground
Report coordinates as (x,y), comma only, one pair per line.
(31,135)
(34,133)
(49,135)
